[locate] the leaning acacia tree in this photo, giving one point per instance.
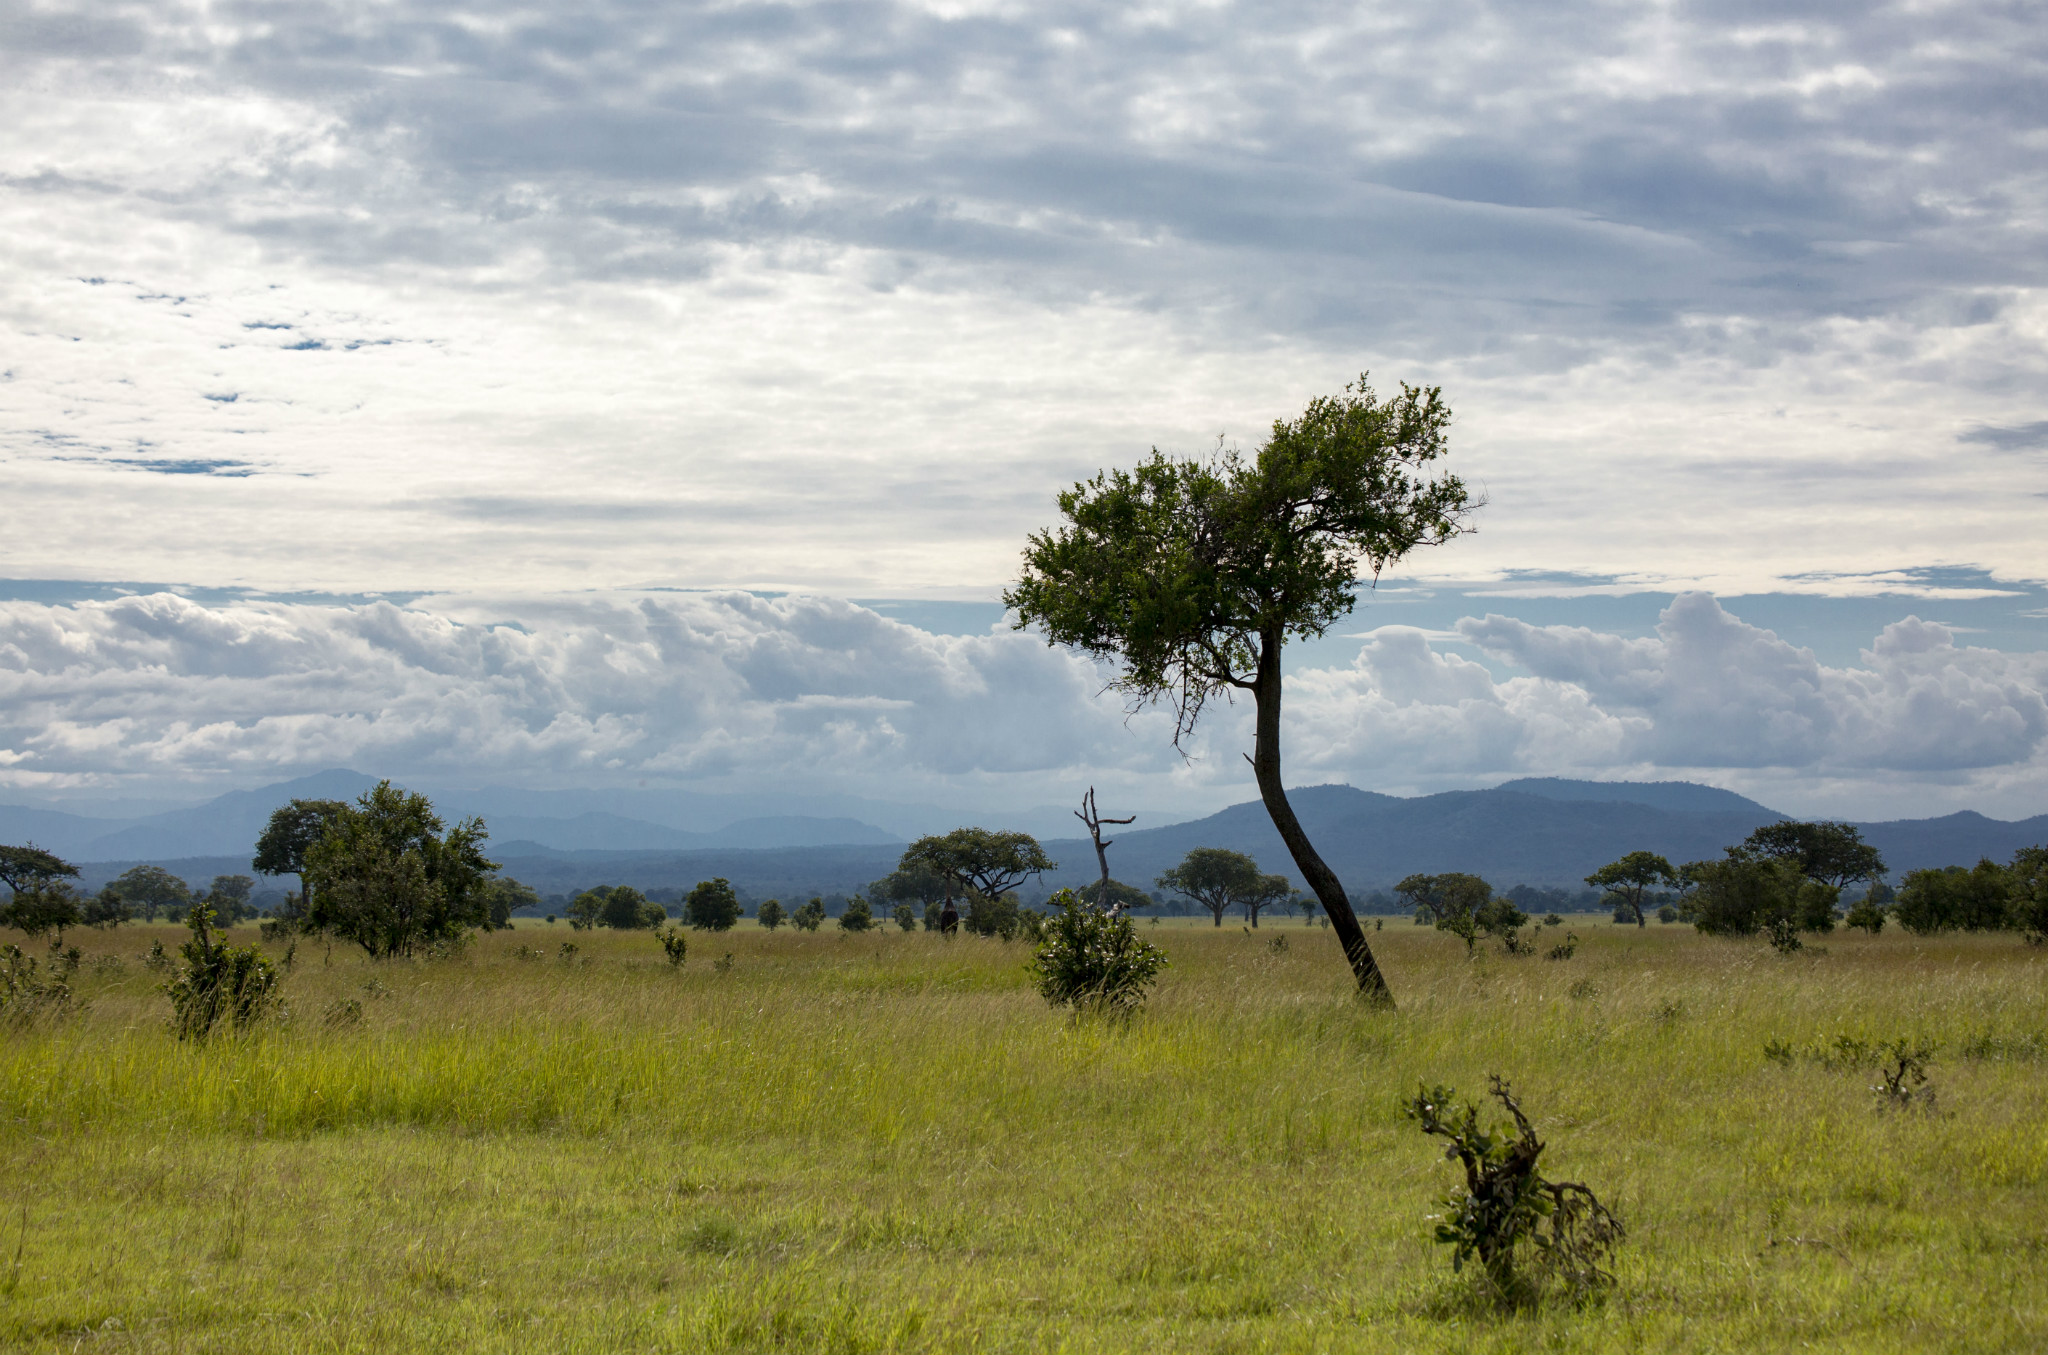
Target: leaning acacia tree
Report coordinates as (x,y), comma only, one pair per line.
(1192,574)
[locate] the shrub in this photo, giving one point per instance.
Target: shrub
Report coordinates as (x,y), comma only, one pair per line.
(905,917)
(1953,898)
(988,916)
(858,917)
(771,914)
(1902,1073)
(1867,915)
(1565,949)
(106,909)
(218,981)
(620,907)
(25,994)
(1093,961)
(1784,934)
(809,917)
(1506,1209)
(712,906)
(1667,914)
(43,908)
(676,945)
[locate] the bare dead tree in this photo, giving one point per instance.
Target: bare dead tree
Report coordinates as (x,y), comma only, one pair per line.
(1086,814)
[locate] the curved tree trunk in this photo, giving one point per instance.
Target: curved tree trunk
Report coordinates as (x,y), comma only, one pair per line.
(1372,985)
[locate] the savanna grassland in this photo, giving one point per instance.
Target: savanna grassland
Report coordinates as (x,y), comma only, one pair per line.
(888,1142)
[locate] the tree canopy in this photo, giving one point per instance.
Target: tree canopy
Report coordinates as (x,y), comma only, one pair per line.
(1832,853)
(293,830)
(1630,878)
(1190,575)
(1215,877)
(979,860)
(26,868)
(713,906)
(152,889)
(385,876)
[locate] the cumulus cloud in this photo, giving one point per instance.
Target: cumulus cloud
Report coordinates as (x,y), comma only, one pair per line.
(1706,693)
(682,686)
(807,692)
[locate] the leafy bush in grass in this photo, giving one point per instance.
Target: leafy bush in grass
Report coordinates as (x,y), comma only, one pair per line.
(1526,1232)
(218,982)
(1091,960)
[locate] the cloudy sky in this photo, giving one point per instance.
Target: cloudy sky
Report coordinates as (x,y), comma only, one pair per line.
(664,391)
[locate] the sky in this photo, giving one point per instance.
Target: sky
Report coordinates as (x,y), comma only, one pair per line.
(664,392)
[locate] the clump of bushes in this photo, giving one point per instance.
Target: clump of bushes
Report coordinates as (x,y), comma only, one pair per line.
(26,993)
(218,982)
(1093,960)
(675,945)
(771,915)
(620,907)
(809,917)
(858,916)
(1526,1233)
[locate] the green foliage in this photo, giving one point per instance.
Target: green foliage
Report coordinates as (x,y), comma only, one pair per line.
(1093,960)
(977,859)
(1507,1210)
(26,868)
(386,877)
(106,910)
(771,915)
(218,982)
(1867,915)
(1831,853)
(43,908)
(1127,898)
(1742,894)
(997,916)
(1460,904)
(1217,878)
(1955,899)
(1179,571)
(905,917)
(809,917)
(2027,892)
(620,907)
(1629,879)
(27,995)
(504,896)
(676,945)
(712,906)
(916,884)
(858,916)
(292,832)
(152,889)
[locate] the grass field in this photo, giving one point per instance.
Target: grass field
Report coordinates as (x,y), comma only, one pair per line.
(887,1142)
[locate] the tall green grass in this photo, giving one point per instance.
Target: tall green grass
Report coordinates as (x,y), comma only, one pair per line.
(888,1142)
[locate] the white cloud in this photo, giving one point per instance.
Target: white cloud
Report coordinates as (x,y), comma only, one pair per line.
(812,693)
(835,296)
(697,686)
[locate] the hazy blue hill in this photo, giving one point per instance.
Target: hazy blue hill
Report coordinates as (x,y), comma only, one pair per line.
(1682,797)
(1952,840)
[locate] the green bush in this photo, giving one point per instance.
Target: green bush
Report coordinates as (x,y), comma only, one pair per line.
(992,916)
(905,917)
(771,914)
(1093,961)
(1955,899)
(675,945)
(858,917)
(809,917)
(26,994)
(712,906)
(218,982)
(1506,1211)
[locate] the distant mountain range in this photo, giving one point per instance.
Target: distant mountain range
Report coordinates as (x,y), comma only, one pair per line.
(230,824)
(1542,831)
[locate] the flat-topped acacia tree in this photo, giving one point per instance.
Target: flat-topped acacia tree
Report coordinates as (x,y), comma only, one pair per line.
(1192,574)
